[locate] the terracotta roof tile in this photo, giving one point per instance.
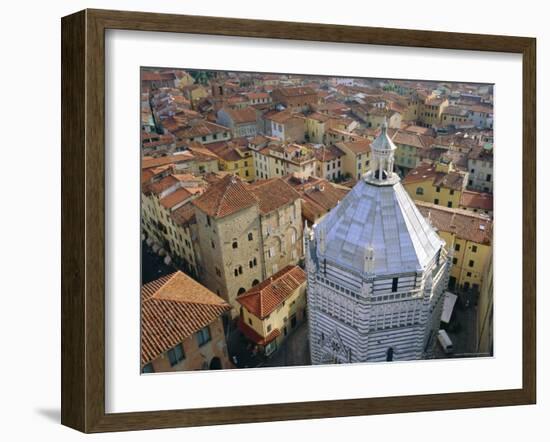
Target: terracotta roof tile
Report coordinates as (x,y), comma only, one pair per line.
(455,180)
(283,116)
(175,198)
(225,197)
(273,194)
(477,200)
(318,117)
(357,147)
(162,185)
(462,223)
(241,116)
(199,129)
(148,162)
(327,153)
(298,91)
(184,215)
(408,138)
(265,297)
(172,309)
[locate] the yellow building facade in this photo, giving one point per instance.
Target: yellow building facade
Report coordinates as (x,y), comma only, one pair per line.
(242,167)
(271,310)
(235,159)
(315,126)
(438,183)
(469,237)
(356,159)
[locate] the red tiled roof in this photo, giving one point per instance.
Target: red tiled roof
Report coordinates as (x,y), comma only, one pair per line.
(455,180)
(320,199)
(356,147)
(283,116)
(487,109)
(229,150)
(148,162)
(225,197)
(256,95)
(202,153)
(263,298)
(477,200)
(410,138)
(198,129)
(240,116)
(175,198)
(480,153)
(328,153)
(464,224)
(172,309)
(295,91)
(273,194)
(318,116)
(162,185)
(184,215)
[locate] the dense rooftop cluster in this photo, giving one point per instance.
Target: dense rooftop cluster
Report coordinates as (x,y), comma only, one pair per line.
(234,164)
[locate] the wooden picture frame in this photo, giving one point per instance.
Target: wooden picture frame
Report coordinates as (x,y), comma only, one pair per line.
(83,220)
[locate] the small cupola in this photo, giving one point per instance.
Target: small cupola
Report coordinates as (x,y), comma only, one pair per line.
(382,159)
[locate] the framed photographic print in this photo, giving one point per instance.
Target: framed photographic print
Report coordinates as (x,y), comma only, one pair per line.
(267,221)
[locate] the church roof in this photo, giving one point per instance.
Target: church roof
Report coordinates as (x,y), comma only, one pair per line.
(383,218)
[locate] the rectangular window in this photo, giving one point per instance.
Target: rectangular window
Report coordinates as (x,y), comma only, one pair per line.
(474,249)
(469,274)
(438,189)
(148,368)
(455,260)
(176,355)
(457,247)
(268,328)
(394,285)
(449,204)
(203,336)
(436,201)
(471,263)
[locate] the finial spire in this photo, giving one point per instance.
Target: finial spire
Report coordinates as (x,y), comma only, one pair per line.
(384,125)
(383,151)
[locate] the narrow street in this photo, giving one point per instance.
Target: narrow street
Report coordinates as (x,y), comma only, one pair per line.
(294,351)
(461,331)
(152,265)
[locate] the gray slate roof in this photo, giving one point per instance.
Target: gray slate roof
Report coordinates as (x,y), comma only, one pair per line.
(385,219)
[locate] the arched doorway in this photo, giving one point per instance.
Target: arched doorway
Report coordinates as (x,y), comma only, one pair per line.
(215,363)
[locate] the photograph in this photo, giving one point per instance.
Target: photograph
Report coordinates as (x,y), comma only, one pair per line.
(295,220)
